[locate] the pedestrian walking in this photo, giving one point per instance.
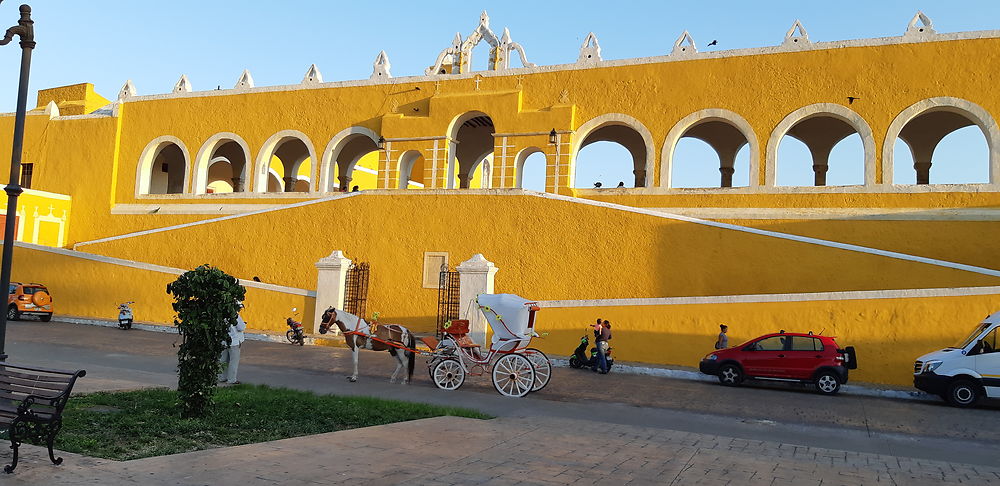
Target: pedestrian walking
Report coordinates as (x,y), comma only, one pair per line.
(723,341)
(231,355)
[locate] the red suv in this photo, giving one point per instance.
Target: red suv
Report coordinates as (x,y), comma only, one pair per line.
(785,356)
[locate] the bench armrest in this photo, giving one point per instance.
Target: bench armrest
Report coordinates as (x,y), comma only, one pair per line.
(24,408)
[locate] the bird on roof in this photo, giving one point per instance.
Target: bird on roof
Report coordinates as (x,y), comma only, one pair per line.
(714,42)
(597,185)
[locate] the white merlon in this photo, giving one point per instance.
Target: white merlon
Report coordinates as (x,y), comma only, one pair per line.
(792,38)
(245,81)
(52,109)
(127,91)
(183,85)
(313,76)
(380,68)
(590,51)
(684,45)
(920,25)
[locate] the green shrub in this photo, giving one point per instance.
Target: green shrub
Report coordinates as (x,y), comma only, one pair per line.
(206,300)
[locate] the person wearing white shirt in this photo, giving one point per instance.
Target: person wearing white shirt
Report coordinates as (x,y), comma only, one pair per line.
(231,355)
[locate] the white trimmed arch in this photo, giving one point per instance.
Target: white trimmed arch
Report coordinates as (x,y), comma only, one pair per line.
(328,164)
(609,119)
(519,161)
(203,161)
(405,167)
(263,162)
(975,113)
(143,174)
(833,110)
(705,116)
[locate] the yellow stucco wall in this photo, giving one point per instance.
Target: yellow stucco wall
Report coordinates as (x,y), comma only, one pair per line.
(75,99)
(85,288)
(889,334)
(546,249)
(43,217)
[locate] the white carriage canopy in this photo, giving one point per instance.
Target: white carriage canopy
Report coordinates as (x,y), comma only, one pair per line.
(507,315)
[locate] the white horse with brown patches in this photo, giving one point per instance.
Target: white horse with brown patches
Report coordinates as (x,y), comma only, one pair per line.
(387,337)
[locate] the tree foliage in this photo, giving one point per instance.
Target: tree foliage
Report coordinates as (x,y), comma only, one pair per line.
(206,300)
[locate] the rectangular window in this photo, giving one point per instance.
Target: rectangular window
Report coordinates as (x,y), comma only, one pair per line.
(26,170)
(433,261)
(802,343)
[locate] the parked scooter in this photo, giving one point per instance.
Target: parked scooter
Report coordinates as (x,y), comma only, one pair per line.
(295,334)
(579,358)
(125,315)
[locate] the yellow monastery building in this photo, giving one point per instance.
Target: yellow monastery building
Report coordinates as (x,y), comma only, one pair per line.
(124,195)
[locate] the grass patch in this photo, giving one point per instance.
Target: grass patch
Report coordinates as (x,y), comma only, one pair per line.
(147,423)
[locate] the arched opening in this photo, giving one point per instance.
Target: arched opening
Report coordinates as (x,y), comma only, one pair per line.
(820,128)
(411,170)
(355,162)
(708,155)
(223,158)
(482,172)
(473,133)
(274,183)
(620,150)
(949,141)
(289,156)
(812,161)
(604,164)
(163,168)
(530,169)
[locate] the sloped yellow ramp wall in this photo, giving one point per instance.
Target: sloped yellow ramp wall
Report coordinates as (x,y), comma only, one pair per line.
(91,286)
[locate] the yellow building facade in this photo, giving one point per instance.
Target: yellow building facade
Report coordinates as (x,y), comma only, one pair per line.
(261,187)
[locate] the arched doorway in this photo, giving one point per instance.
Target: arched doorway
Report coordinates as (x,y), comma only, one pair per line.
(956,137)
(530,169)
(162,167)
(351,159)
(411,170)
(221,163)
(628,151)
(473,133)
(821,128)
(289,155)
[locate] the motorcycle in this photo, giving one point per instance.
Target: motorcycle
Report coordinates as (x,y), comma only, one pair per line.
(125,315)
(579,358)
(295,335)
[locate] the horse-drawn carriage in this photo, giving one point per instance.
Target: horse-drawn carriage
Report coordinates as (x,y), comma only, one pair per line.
(515,368)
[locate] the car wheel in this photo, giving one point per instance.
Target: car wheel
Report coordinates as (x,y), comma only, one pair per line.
(13,314)
(730,375)
(963,393)
(827,383)
(574,362)
(46,317)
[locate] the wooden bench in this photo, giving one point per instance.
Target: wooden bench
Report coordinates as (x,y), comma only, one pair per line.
(31,405)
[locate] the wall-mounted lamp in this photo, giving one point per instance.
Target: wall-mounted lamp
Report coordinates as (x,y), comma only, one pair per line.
(552,137)
(381,143)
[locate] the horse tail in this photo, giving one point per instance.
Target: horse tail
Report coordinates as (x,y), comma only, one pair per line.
(411,343)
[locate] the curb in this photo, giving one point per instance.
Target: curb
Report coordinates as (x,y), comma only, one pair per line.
(853,390)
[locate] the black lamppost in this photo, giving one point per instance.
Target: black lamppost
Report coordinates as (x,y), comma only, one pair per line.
(25,30)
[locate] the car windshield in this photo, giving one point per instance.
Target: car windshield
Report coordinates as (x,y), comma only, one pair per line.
(972,337)
(32,290)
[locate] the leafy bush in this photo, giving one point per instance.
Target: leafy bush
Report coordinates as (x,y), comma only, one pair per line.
(206,300)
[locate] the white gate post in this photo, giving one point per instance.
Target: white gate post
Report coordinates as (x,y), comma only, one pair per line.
(331,283)
(476,275)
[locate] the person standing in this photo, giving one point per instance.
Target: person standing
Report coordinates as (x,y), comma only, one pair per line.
(231,355)
(602,333)
(723,341)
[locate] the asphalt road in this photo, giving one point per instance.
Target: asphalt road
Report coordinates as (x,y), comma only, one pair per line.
(116,359)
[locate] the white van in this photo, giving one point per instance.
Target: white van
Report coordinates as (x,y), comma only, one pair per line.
(963,374)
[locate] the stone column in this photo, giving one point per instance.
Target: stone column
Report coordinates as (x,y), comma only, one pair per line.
(331,283)
(727,176)
(290,184)
(238,184)
(821,163)
(345,182)
(640,177)
(463,181)
(476,274)
(923,172)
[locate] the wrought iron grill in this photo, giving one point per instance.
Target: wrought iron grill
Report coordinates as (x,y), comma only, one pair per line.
(448,298)
(356,294)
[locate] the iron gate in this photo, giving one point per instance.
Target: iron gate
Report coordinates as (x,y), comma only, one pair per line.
(448,298)
(356,293)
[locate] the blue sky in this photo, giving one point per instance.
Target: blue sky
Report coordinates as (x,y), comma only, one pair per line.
(153,42)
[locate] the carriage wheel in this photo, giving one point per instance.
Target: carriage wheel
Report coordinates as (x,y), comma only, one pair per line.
(513,375)
(448,374)
(542,366)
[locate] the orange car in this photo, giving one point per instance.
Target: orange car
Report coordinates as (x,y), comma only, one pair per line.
(29,299)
